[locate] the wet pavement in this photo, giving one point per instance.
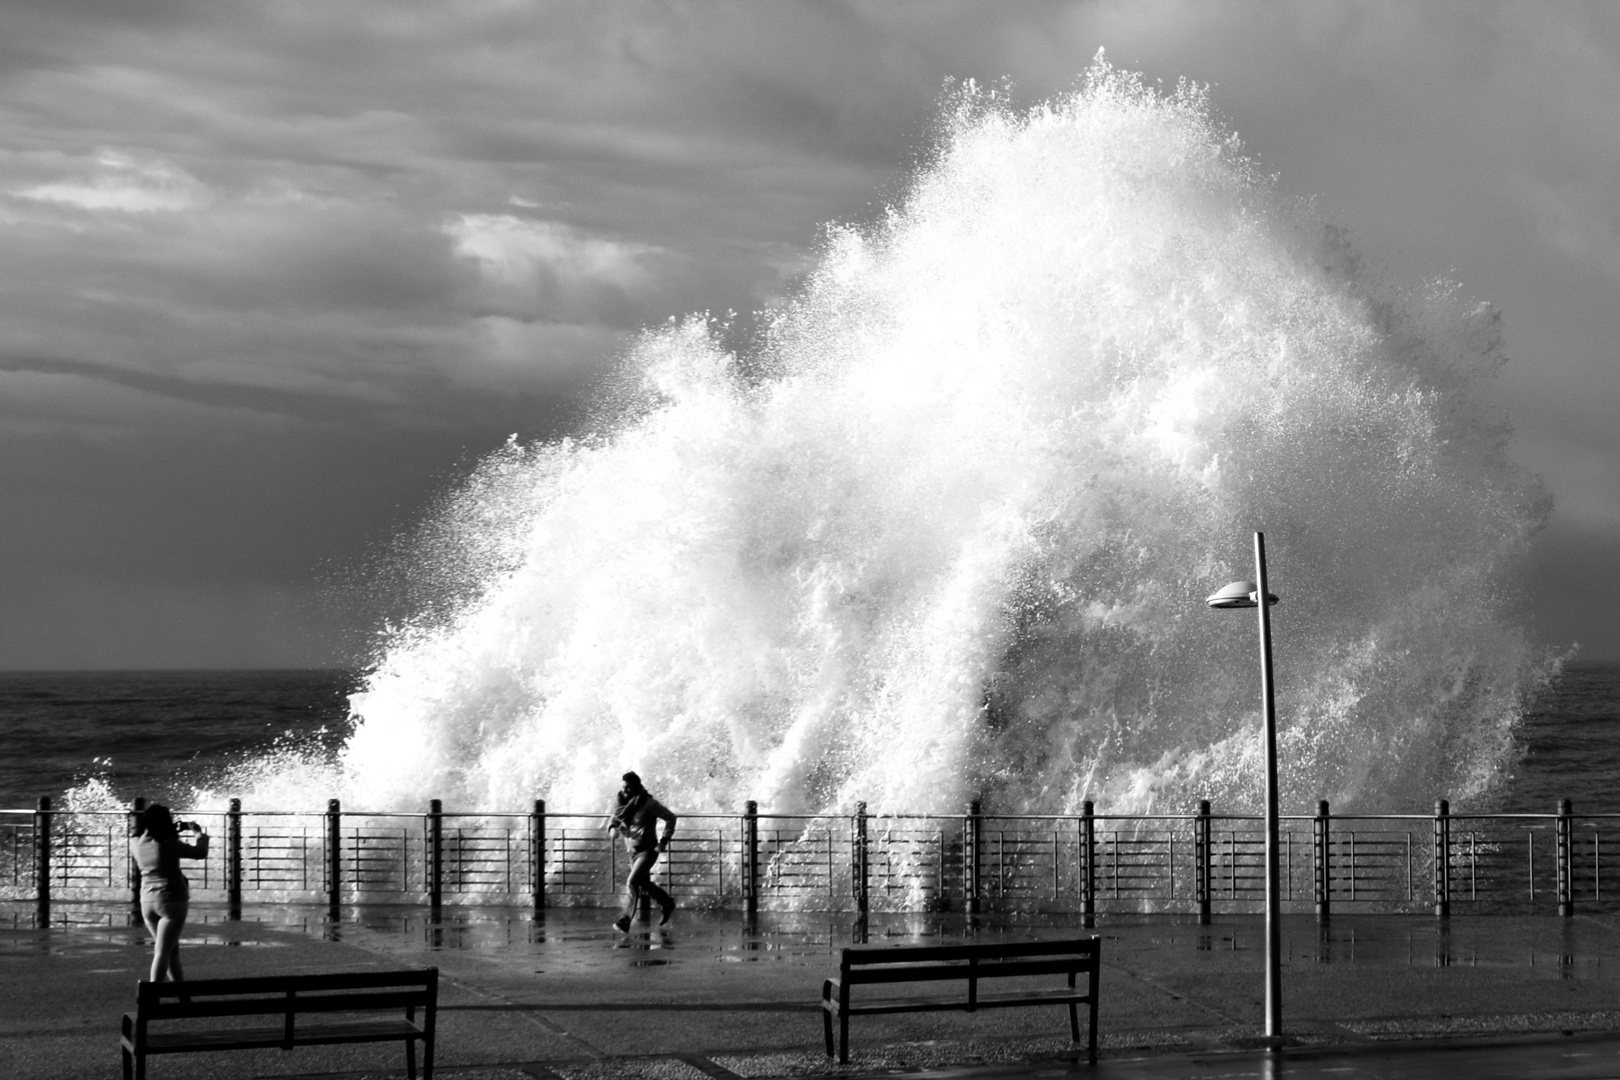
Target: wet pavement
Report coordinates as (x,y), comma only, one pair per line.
(715,995)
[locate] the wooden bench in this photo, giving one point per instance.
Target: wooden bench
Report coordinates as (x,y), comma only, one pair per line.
(291,997)
(964,963)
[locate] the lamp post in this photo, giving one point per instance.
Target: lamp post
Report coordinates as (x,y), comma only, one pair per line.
(1248,594)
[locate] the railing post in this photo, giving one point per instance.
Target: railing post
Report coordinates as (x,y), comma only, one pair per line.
(858,860)
(970,859)
(1566,860)
(1088,864)
(42,857)
(1202,856)
(136,808)
(435,854)
(1442,858)
(750,857)
(1323,850)
(334,857)
(233,859)
(537,855)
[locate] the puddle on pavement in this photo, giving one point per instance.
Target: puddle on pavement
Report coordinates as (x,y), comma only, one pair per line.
(585,936)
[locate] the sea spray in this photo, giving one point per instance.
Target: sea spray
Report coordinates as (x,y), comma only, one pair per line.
(946,531)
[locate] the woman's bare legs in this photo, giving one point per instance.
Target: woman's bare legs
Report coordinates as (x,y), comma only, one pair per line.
(165,928)
(150,916)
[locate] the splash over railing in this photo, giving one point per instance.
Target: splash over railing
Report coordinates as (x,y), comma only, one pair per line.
(1086,864)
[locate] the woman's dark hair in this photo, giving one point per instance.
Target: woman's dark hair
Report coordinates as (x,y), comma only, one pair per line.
(156,822)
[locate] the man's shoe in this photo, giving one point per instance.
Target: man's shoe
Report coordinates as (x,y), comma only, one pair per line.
(669,909)
(622,924)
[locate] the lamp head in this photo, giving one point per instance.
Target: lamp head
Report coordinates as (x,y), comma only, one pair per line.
(1239,594)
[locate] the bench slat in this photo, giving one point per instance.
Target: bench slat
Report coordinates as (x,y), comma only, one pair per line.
(961,972)
(991,1001)
(300,1003)
(174,1042)
(1080,947)
(280,984)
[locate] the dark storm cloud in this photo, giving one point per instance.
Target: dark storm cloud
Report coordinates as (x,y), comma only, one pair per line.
(309,163)
(248,247)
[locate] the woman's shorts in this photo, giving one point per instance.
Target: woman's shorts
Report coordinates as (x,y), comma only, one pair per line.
(162,908)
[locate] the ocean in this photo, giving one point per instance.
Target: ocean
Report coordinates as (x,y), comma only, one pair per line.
(158,734)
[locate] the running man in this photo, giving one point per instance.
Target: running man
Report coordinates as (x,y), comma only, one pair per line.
(635,817)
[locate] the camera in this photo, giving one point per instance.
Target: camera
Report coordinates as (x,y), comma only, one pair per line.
(188,826)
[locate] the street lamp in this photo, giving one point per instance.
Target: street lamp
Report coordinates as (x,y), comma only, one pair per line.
(1247,594)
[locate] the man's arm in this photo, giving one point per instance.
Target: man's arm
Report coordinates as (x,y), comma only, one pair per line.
(668,818)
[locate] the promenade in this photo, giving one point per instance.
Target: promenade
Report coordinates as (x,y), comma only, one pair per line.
(1368,996)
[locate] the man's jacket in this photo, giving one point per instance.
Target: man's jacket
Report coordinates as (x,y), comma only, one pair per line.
(638,821)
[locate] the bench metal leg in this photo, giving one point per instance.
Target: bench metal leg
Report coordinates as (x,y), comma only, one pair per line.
(826,1029)
(410,1059)
(1091,1046)
(843,1038)
(427,1058)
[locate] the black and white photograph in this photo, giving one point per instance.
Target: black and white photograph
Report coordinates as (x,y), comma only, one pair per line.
(774,538)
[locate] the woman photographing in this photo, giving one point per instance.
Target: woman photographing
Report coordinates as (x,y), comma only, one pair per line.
(165,894)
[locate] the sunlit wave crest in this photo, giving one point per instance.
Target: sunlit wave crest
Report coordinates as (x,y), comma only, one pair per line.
(946,531)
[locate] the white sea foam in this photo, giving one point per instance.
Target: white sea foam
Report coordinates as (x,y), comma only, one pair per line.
(955,542)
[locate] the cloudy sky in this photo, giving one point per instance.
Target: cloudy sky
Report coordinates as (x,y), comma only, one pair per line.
(273,274)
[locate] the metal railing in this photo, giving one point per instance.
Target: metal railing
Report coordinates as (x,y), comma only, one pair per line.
(1085,864)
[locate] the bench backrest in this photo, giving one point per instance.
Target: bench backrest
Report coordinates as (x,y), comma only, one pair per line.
(1013,958)
(346,991)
